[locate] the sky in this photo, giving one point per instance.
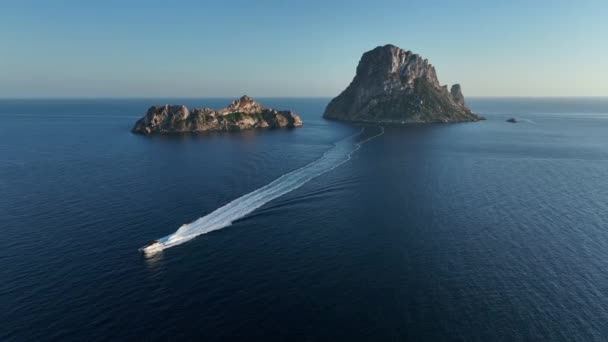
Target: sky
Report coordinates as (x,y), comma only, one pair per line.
(295,48)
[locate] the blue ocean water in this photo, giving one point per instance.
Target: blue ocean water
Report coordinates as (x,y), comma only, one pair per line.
(476,231)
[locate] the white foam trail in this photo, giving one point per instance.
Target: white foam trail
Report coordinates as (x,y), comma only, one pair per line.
(222,217)
(527,120)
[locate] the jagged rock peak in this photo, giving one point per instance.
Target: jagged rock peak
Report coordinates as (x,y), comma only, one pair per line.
(394,85)
(456,92)
(391,62)
(245,105)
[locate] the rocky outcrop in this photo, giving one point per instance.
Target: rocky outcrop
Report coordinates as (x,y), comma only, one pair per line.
(392,85)
(512,120)
(456,93)
(241,114)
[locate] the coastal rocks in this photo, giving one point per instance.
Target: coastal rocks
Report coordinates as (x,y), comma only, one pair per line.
(392,85)
(241,114)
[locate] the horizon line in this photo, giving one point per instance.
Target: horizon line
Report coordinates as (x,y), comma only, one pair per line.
(278,97)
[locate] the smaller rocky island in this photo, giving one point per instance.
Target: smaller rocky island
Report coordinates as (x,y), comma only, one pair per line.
(512,120)
(241,114)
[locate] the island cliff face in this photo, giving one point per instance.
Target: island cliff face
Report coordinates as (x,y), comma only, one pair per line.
(397,86)
(241,114)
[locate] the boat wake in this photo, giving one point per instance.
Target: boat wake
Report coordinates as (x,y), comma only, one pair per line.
(528,121)
(339,154)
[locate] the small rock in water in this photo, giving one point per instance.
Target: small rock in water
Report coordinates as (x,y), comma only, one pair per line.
(512,120)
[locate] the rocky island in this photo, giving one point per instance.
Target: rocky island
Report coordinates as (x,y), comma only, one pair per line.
(392,85)
(241,114)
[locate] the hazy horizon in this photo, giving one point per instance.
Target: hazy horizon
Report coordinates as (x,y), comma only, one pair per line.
(271,97)
(191,50)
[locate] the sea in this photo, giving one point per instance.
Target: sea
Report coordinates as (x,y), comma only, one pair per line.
(334,231)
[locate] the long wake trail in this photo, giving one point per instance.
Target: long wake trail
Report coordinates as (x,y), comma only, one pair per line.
(339,154)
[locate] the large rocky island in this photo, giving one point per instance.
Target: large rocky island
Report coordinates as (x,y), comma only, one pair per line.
(241,114)
(397,86)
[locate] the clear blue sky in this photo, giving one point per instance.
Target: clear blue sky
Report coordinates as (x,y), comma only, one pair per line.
(295,48)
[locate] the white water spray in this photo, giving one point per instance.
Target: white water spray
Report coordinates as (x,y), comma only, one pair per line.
(222,217)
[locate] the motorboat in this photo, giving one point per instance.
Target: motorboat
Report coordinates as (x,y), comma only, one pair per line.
(153,247)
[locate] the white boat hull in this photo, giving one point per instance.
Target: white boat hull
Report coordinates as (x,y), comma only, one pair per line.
(152,248)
